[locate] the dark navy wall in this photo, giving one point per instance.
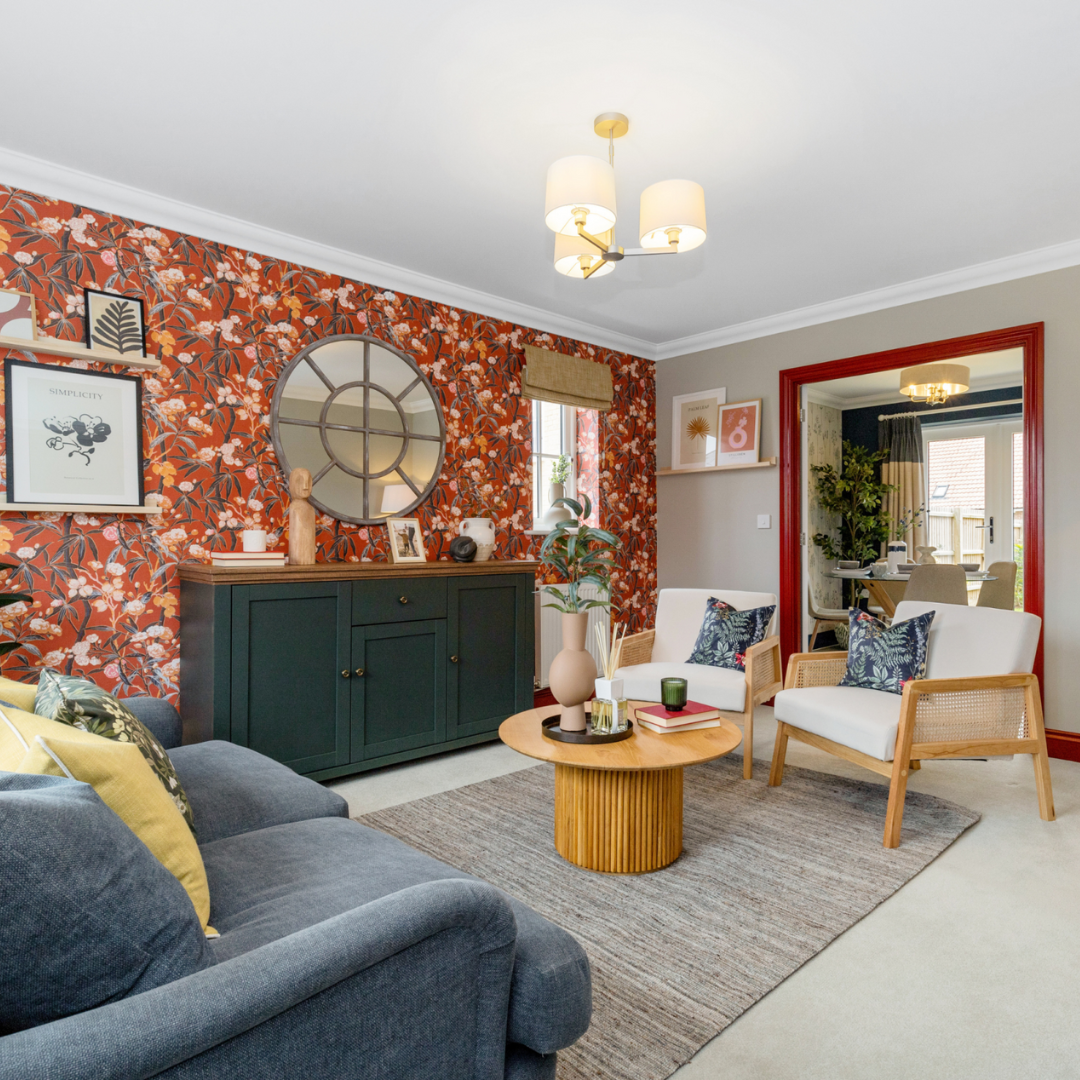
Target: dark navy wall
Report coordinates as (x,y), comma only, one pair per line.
(860,426)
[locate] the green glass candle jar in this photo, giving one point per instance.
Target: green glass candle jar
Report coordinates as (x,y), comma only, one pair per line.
(673,694)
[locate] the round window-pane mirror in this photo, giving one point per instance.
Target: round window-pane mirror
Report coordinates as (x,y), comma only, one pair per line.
(364,420)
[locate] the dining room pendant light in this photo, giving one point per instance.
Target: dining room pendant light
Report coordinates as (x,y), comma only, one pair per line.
(579,206)
(577,258)
(580,189)
(934,383)
(672,214)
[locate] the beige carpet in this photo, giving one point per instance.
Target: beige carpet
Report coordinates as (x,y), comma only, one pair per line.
(768,877)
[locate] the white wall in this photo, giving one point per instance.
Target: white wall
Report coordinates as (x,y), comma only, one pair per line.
(707,534)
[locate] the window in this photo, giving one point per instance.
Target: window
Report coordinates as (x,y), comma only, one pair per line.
(554,433)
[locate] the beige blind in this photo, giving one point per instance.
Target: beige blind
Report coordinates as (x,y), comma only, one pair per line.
(566,380)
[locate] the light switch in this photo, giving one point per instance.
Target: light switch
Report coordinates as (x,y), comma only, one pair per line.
(764,521)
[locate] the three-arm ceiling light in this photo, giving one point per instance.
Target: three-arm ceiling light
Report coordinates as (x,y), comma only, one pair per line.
(580,210)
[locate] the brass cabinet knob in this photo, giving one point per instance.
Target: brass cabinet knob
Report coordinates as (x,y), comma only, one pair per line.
(453,659)
(360,672)
(346,673)
(403,599)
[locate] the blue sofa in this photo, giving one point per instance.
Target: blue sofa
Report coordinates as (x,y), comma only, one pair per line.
(343,953)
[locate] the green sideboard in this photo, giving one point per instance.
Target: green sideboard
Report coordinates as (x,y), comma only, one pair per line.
(338,668)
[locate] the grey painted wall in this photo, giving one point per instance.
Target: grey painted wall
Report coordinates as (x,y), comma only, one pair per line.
(707,534)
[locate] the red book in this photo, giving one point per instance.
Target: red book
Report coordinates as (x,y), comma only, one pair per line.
(693,712)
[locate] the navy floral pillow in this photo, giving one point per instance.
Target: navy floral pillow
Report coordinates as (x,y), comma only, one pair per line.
(884,657)
(727,633)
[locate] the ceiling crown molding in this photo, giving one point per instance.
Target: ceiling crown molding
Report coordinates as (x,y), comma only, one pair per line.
(97,192)
(1026,264)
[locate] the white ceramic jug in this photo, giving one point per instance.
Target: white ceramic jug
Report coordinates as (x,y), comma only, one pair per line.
(482,531)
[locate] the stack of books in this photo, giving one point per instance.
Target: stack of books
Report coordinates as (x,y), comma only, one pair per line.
(262,559)
(692,716)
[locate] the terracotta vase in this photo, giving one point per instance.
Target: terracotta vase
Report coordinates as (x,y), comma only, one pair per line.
(573,672)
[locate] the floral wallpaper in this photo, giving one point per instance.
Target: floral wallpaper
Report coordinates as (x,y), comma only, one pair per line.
(824,446)
(224,323)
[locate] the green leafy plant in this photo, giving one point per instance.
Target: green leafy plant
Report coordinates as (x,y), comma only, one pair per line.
(581,555)
(8,598)
(857,495)
(560,472)
(911,519)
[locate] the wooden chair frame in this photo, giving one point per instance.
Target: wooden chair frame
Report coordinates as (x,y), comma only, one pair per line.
(763,668)
(966,699)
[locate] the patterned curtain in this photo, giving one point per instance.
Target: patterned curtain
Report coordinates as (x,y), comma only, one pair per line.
(902,436)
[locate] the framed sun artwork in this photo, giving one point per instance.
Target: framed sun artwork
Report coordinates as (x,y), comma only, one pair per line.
(694,426)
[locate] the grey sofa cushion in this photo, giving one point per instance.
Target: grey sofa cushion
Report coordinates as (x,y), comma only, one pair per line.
(89,915)
(235,790)
(160,716)
(270,883)
(525,1064)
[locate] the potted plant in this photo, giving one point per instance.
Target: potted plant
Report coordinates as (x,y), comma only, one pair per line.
(560,473)
(580,555)
(898,549)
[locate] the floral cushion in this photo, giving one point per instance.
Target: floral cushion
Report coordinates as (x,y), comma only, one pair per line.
(884,657)
(84,705)
(726,633)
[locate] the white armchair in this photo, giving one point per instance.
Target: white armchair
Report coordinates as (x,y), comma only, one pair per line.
(979,698)
(661,653)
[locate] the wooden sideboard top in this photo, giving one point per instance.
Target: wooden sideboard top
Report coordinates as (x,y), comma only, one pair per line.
(251,575)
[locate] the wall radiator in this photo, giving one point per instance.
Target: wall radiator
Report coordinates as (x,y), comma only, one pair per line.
(549,629)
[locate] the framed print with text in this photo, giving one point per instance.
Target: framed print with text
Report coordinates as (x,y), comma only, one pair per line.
(740,433)
(693,428)
(73,436)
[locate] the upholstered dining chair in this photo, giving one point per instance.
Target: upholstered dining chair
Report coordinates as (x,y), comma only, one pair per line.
(663,652)
(1001,592)
(979,698)
(939,583)
(822,615)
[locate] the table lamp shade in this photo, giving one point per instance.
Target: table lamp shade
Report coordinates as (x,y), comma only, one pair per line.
(580,181)
(396,497)
(672,204)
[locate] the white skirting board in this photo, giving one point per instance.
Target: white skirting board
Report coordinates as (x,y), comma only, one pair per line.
(549,629)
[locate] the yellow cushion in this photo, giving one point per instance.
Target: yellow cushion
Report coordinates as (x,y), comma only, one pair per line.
(118,772)
(20,694)
(18,729)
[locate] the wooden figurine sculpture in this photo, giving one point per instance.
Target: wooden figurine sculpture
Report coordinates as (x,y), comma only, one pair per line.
(301,520)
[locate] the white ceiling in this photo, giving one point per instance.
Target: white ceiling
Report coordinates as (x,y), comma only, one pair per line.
(854,153)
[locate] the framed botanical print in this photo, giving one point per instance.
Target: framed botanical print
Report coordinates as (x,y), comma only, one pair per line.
(18,316)
(73,436)
(115,324)
(693,428)
(739,433)
(406,540)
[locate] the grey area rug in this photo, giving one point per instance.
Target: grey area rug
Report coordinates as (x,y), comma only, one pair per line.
(768,877)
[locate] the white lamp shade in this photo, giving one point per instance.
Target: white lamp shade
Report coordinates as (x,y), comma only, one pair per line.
(673,204)
(569,248)
(580,181)
(952,378)
(396,497)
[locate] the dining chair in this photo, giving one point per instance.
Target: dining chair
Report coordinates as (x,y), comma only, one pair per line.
(940,583)
(1001,592)
(823,615)
(979,698)
(656,654)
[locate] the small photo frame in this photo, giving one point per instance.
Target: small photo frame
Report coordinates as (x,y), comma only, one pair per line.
(73,437)
(18,316)
(406,540)
(693,428)
(115,324)
(740,433)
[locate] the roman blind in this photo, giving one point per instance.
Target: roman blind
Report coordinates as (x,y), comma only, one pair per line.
(566,380)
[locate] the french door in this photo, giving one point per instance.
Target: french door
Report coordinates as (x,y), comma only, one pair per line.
(975,494)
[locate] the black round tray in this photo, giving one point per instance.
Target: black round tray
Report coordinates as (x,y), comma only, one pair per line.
(556,733)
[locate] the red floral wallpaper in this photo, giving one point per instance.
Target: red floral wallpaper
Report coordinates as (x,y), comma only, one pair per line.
(224,322)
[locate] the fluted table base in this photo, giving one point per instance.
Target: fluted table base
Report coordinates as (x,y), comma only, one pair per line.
(618,821)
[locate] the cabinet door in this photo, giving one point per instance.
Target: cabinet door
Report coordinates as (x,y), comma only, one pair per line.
(290,672)
(398,687)
(490,646)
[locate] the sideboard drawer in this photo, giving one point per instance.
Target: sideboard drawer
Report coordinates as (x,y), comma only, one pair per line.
(398,600)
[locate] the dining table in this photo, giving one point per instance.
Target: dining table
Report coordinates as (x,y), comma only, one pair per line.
(874,584)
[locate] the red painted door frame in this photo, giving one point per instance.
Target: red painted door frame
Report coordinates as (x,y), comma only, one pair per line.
(1030,339)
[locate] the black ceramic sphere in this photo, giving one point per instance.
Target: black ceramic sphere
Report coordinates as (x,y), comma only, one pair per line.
(463,549)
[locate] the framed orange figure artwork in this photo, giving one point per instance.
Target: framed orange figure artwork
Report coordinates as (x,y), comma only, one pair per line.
(693,428)
(739,433)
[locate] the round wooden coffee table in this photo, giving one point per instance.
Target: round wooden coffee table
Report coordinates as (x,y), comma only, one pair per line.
(619,806)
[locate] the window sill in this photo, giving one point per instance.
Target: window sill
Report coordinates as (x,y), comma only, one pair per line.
(537,532)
